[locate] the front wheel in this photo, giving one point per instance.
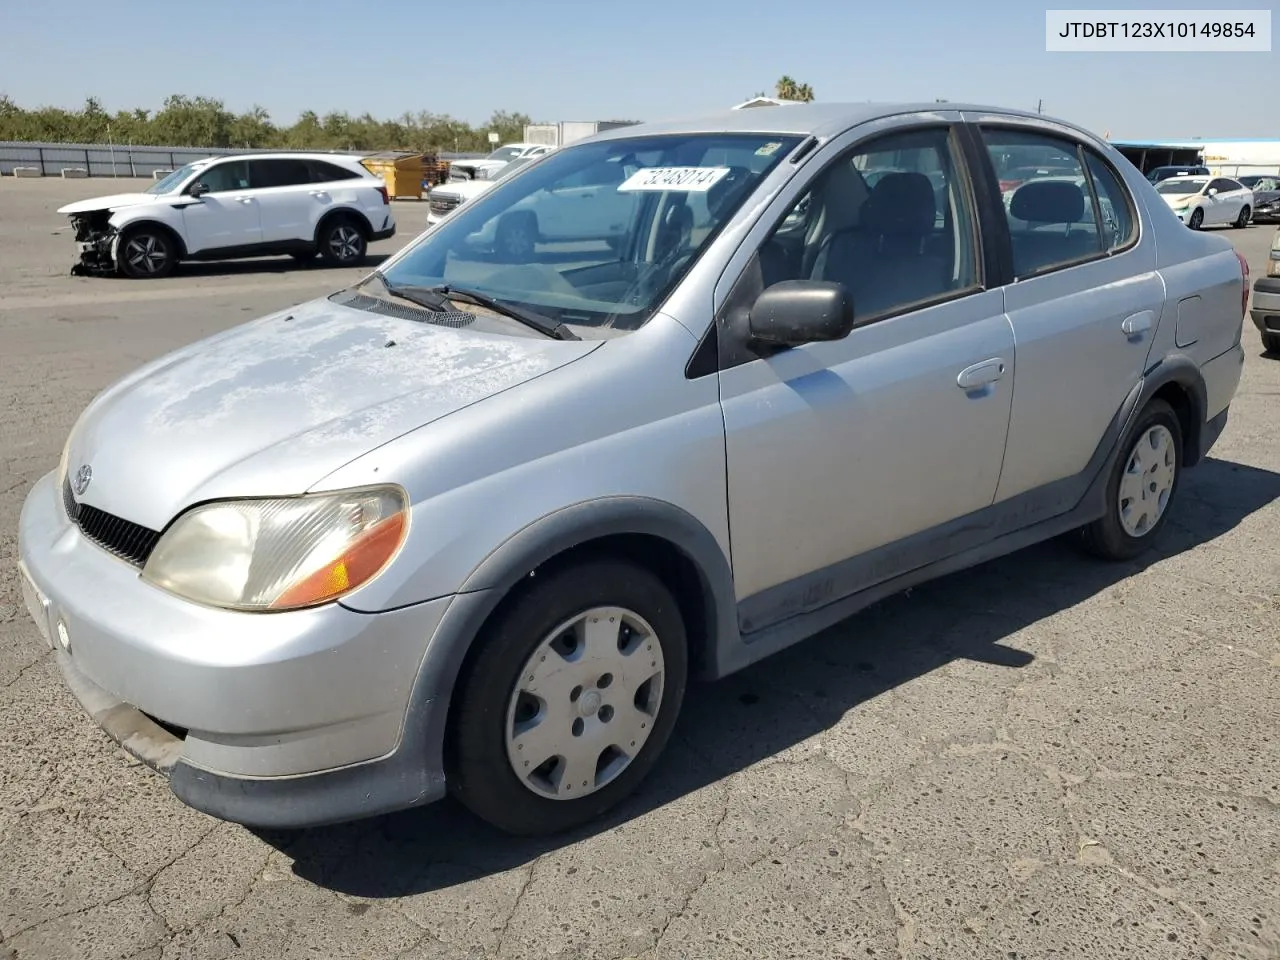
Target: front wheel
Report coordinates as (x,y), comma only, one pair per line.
(1242,221)
(146,253)
(342,243)
(571,699)
(1142,486)
(1197,219)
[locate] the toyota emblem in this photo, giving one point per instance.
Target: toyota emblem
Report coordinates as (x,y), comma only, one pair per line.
(83,476)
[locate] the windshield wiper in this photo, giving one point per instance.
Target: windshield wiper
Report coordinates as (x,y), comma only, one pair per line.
(435,297)
(552,328)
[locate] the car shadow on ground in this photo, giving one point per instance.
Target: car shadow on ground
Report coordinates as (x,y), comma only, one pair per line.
(788,698)
(258,265)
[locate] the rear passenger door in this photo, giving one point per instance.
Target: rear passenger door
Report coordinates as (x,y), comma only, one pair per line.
(287,198)
(1084,302)
(839,451)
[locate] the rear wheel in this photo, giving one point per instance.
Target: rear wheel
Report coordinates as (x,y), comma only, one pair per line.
(1142,486)
(342,243)
(1271,343)
(1242,221)
(571,699)
(1197,219)
(146,253)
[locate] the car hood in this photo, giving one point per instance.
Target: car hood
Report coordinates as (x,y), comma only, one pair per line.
(274,406)
(113,202)
(1177,199)
(1266,196)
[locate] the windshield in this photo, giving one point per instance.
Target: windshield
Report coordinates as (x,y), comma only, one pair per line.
(1182,185)
(173,180)
(504,153)
(596,234)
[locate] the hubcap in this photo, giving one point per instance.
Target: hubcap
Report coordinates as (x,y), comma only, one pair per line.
(585,703)
(345,243)
(1147,481)
(146,253)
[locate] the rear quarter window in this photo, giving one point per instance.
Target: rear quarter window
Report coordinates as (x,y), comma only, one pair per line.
(322,172)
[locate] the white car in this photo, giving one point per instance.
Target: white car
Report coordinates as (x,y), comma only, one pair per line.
(222,208)
(486,167)
(1208,201)
(444,199)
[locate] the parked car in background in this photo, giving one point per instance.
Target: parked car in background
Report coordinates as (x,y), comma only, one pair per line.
(472,523)
(444,199)
(1208,201)
(1266,197)
(224,208)
(482,169)
(1157,174)
(1264,309)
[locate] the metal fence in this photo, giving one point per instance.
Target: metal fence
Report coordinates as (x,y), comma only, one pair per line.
(115,160)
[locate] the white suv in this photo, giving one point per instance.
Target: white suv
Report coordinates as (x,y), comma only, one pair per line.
(241,206)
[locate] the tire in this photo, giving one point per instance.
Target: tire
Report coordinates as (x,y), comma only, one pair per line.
(493,698)
(1271,343)
(342,242)
(146,253)
(1242,221)
(1152,448)
(1197,219)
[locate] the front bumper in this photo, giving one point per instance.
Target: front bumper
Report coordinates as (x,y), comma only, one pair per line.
(286,719)
(1267,213)
(1264,308)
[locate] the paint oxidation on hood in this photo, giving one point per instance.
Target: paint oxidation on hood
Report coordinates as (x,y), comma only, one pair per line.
(274,406)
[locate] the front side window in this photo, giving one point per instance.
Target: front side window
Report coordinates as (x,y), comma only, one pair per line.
(221,177)
(891,220)
(596,234)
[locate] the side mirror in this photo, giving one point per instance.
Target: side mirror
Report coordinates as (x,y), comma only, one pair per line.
(198,189)
(795,312)
(1213,191)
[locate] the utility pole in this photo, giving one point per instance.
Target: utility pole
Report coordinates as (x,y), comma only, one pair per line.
(1039,106)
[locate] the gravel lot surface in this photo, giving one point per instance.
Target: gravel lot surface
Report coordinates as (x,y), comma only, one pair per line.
(1042,757)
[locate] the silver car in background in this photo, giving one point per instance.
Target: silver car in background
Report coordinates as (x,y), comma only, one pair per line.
(473,523)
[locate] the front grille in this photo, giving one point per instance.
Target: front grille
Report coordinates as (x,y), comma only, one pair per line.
(127,540)
(443,204)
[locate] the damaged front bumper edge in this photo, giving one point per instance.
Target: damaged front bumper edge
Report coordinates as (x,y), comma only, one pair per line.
(96,239)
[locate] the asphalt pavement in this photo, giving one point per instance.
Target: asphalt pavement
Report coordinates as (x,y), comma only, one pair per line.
(1041,757)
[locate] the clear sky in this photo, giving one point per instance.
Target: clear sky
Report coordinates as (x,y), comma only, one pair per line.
(617,59)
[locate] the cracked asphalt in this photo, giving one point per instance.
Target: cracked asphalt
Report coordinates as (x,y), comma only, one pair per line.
(1044,757)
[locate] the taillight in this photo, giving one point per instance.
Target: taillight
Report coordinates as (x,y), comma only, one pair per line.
(1244,278)
(385,198)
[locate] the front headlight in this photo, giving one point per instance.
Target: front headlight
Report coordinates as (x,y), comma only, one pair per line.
(280,554)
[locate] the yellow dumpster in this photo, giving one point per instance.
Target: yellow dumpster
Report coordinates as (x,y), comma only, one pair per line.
(401,172)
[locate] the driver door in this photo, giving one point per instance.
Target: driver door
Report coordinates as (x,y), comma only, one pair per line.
(846,458)
(228,215)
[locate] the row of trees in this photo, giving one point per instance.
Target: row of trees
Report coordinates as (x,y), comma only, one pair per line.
(204,122)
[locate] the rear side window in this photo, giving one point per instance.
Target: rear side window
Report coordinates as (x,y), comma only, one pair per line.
(322,172)
(1050,205)
(284,172)
(1119,226)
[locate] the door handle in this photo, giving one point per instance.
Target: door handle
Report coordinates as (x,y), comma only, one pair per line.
(1137,323)
(319,193)
(245,199)
(981,374)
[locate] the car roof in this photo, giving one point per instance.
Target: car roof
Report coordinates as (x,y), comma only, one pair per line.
(282,155)
(809,119)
